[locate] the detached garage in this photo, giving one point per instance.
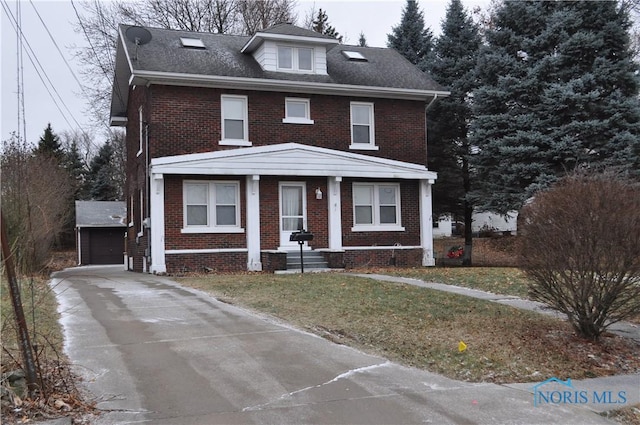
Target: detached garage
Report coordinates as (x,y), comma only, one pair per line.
(100,232)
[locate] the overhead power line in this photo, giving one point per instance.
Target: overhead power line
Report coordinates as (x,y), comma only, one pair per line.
(40,71)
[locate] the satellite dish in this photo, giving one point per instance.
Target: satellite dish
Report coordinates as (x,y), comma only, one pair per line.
(138,35)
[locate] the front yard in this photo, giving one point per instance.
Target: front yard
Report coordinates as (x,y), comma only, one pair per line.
(422,327)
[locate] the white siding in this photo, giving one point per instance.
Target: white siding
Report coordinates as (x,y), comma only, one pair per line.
(267,56)
(320,55)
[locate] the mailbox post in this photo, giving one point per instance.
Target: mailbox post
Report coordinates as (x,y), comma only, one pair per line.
(301,237)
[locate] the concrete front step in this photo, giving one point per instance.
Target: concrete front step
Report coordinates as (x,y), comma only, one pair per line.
(312,260)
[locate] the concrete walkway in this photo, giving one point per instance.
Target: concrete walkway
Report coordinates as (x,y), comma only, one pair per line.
(625,329)
(152,351)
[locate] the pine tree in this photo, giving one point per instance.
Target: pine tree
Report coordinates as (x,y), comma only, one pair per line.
(410,37)
(103,185)
(452,65)
(362,40)
(559,92)
(321,24)
(76,167)
(49,144)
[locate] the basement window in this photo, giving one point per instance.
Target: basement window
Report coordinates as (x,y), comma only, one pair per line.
(192,43)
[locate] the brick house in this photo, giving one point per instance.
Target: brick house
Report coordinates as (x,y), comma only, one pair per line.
(235,142)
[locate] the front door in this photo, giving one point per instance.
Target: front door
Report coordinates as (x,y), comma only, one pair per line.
(293,212)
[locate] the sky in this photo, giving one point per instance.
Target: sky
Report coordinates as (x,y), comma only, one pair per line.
(53,95)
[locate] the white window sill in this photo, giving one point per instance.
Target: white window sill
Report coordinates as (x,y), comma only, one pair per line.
(297,121)
(235,142)
(377,229)
(364,147)
(212,230)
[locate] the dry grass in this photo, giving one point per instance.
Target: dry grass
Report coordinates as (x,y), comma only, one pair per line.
(499,280)
(57,394)
(422,328)
(487,252)
(629,415)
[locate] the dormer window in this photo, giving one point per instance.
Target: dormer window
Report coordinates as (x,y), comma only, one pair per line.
(295,59)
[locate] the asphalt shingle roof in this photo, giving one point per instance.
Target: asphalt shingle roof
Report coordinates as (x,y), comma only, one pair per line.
(384,68)
(101,214)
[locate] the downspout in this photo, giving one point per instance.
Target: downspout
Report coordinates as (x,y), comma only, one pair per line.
(147,194)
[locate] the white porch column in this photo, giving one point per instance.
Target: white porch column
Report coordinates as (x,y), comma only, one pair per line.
(156,206)
(253,223)
(426,223)
(335,213)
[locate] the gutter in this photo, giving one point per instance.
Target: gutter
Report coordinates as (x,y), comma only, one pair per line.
(183,79)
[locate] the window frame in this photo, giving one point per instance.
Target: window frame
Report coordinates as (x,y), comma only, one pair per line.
(295,59)
(371,145)
(245,121)
(211,204)
(297,120)
(375,224)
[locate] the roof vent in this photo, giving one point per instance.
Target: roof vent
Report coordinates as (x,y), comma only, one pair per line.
(192,43)
(354,56)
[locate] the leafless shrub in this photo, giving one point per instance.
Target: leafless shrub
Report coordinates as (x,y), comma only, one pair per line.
(580,245)
(36,200)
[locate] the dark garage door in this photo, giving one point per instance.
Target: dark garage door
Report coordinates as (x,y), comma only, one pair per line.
(106,246)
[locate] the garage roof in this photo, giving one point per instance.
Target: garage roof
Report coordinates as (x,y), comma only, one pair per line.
(101,214)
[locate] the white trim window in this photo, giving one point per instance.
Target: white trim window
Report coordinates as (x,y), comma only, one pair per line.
(211,207)
(376,207)
(297,111)
(295,59)
(235,121)
(362,126)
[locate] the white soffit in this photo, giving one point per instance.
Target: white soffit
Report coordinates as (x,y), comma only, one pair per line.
(289,159)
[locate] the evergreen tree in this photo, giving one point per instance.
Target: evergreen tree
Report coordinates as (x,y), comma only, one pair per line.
(453,65)
(103,184)
(362,40)
(559,92)
(76,167)
(410,37)
(49,144)
(321,24)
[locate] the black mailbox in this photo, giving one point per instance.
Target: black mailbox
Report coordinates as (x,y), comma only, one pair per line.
(301,236)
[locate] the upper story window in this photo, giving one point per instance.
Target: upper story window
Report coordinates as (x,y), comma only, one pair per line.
(235,126)
(376,207)
(295,59)
(211,207)
(297,111)
(362,126)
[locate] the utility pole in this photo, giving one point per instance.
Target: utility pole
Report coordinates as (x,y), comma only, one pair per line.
(23,333)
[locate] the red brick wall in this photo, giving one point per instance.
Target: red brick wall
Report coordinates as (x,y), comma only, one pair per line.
(174,219)
(187,120)
(383,258)
(201,263)
(136,180)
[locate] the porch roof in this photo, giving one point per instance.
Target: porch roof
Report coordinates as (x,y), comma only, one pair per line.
(290,159)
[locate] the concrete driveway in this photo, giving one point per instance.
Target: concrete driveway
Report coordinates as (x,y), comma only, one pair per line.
(152,351)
